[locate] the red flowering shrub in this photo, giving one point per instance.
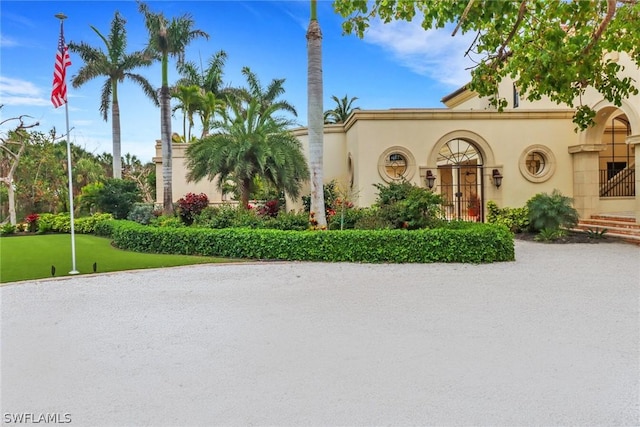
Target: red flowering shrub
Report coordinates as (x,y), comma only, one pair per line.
(190,206)
(32,221)
(271,208)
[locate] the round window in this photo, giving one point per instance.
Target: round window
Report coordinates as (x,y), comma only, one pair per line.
(396,163)
(537,163)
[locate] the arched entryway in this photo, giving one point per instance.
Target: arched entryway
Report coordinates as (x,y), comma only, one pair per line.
(460,168)
(605,160)
(617,160)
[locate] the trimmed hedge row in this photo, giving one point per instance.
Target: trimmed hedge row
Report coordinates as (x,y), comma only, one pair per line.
(61,223)
(472,243)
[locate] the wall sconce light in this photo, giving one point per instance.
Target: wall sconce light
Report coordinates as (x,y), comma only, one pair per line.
(497,178)
(431,179)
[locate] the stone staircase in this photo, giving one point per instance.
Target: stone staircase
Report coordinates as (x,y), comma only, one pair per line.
(622,227)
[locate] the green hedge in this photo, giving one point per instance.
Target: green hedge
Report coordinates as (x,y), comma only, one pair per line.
(471,243)
(61,223)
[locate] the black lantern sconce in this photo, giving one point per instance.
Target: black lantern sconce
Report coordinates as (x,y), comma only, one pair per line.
(431,179)
(497,178)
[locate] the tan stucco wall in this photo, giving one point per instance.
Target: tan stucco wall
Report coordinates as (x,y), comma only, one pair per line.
(422,132)
(179,170)
(502,138)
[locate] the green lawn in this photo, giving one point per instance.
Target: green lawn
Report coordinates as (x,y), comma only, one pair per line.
(31,257)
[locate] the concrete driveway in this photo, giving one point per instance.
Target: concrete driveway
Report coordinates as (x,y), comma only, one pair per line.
(551,339)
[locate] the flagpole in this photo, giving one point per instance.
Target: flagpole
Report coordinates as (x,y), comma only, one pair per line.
(62,17)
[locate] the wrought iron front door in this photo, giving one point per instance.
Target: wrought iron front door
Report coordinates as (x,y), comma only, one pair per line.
(461,180)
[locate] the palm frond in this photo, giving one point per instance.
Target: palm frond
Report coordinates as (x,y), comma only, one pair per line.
(105,98)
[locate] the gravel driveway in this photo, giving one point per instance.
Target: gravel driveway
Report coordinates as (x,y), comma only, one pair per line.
(551,339)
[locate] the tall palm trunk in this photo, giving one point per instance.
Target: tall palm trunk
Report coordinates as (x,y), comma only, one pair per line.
(115,131)
(315,116)
(245,188)
(165,137)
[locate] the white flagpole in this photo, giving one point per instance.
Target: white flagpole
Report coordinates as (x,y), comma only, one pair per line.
(62,17)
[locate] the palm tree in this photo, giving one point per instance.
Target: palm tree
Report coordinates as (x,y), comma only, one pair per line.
(209,79)
(251,142)
(342,110)
(315,117)
(189,96)
(168,38)
(266,97)
(207,106)
(116,65)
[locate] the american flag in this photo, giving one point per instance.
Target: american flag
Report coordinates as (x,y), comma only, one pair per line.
(59,92)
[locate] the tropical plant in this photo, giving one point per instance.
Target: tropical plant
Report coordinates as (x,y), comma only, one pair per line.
(404,205)
(554,48)
(341,111)
(209,79)
(116,65)
(265,97)
(250,141)
(597,233)
(142,213)
(550,235)
(190,206)
(117,197)
(211,92)
(515,219)
(551,212)
(315,117)
(168,38)
(189,96)
(87,202)
(208,105)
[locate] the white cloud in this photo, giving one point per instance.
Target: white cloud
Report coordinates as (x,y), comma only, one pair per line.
(8,41)
(9,86)
(432,53)
(21,92)
(24,100)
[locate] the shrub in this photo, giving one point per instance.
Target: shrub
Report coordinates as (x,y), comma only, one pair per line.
(190,206)
(297,221)
(471,243)
(404,205)
(346,219)
(117,197)
(549,235)
(271,208)
(45,222)
(515,219)
(88,224)
(87,202)
(372,220)
(167,222)
(330,196)
(551,211)
(142,213)
(61,223)
(32,222)
(227,216)
(393,192)
(216,217)
(6,229)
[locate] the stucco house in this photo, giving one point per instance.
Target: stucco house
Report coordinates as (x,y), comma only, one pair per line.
(471,153)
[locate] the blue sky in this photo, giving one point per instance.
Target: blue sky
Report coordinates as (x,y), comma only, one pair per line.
(397,65)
